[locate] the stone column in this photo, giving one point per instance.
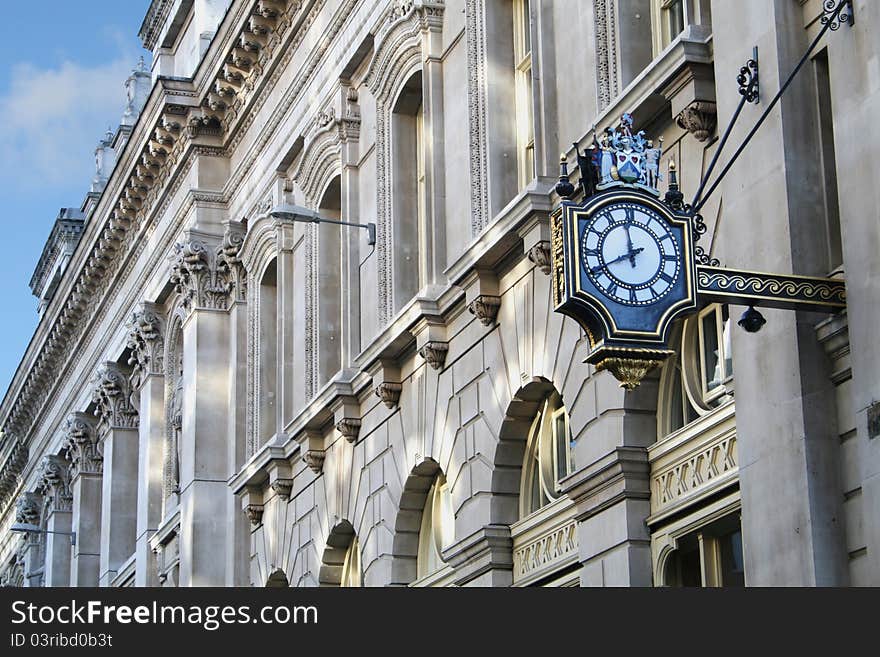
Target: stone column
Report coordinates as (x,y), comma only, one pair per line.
(55,478)
(29,510)
(237,525)
(786,417)
(287,378)
(117,430)
(432,250)
(147,344)
(354,244)
(204,276)
(86,469)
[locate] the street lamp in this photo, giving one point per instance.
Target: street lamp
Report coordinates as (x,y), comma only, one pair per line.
(28,528)
(304,215)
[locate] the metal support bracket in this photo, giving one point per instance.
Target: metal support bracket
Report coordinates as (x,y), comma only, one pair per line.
(783,291)
(833,18)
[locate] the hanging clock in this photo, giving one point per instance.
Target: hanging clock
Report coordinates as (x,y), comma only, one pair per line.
(625,271)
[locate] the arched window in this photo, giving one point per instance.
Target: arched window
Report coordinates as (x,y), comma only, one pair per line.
(437,529)
(548,456)
(700,376)
(408,188)
(341,562)
(351,565)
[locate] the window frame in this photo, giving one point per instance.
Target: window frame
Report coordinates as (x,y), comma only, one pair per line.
(524,92)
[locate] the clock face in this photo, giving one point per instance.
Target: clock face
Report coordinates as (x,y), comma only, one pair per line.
(630,254)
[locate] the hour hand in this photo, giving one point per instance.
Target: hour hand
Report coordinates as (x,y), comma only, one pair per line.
(626,256)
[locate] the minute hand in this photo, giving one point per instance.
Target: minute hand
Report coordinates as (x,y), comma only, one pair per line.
(625,256)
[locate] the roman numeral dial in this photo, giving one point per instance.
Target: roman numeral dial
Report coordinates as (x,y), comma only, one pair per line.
(630,253)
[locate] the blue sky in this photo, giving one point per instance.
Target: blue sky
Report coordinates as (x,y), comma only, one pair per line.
(61,87)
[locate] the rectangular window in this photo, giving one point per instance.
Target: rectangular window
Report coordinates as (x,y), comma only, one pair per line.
(716,360)
(525,129)
(669,18)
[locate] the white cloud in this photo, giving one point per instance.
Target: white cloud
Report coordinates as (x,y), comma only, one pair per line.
(51,121)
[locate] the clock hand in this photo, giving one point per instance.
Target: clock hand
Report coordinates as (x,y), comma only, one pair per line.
(626,256)
(629,243)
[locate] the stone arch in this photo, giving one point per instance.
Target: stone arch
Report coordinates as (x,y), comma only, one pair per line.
(259,252)
(277,579)
(340,539)
(511,450)
(407,525)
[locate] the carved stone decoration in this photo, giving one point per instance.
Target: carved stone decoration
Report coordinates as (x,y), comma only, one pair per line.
(112,397)
(475,16)
(699,119)
(10,470)
(629,372)
(282,487)
(197,277)
(389,393)
(608,84)
(147,344)
(314,458)
(29,508)
(229,265)
(540,256)
(254,512)
(82,446)
(485,308)
(55,481)
(349,428)
(434,354)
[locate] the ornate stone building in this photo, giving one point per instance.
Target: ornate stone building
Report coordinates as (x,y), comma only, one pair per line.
(219,396)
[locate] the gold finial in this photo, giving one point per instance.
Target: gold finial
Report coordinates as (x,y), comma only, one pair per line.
(562,157)
(671,164)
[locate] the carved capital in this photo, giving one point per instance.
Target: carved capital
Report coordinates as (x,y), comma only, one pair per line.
(204,276)
(55,481)
(82,446)
(29,508)
(485,308)
(112,397)
(434,353)
(314,458)
(699,119)
(349,428)
(389,393)
(254,512)
(146,340)
(540,256)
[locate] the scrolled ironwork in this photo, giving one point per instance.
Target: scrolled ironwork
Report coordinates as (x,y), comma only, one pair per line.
(748,81)
(703,258)
(837,13)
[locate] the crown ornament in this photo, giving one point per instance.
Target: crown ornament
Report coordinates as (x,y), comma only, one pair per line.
(618,158)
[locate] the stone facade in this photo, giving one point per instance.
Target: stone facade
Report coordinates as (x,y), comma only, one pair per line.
(216,395)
